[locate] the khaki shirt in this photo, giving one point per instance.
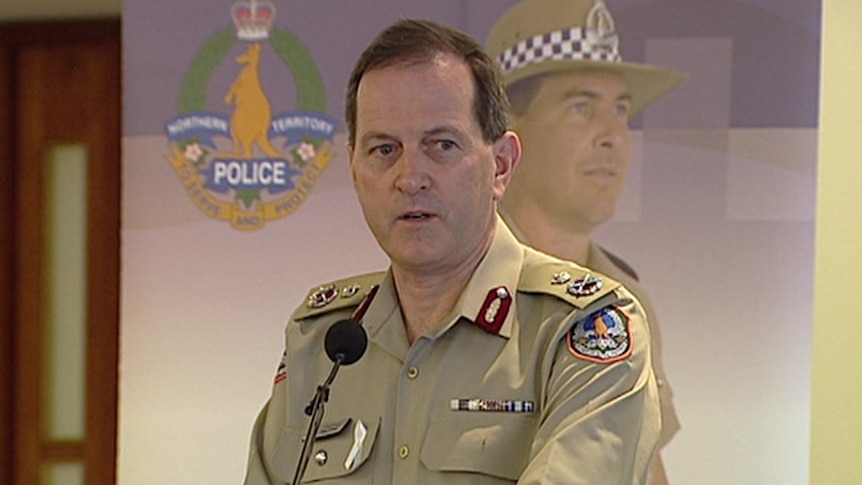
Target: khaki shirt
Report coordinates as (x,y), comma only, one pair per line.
(599,261)
(511,387)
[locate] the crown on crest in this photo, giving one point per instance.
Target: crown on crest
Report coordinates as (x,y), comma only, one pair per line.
(253,19)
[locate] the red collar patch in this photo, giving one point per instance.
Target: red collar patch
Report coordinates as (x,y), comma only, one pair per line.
(494,310)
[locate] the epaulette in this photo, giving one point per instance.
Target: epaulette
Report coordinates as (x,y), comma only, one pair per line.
(568,281)
(337,295)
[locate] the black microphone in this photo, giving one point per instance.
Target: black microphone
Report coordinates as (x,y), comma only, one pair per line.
(345,343)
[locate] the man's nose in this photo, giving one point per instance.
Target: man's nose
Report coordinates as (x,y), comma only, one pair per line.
(412,176)
(612,128)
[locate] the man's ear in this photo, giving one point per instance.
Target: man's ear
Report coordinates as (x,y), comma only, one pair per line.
(507,154)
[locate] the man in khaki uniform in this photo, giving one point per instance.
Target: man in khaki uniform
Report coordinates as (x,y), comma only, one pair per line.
(572,98)
(488,362)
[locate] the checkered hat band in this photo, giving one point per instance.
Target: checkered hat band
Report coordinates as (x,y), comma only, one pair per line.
(560,45)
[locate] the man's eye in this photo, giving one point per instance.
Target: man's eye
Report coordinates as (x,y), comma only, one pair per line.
(384,150)
(440,145)
(445,144)
(623,109)
(581,108)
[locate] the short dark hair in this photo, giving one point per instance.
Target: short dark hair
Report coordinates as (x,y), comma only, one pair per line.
(418,41)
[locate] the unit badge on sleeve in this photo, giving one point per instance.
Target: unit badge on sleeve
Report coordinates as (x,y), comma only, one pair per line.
(601,337)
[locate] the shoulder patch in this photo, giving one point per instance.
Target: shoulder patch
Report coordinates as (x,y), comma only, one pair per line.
(566,280)
(602,337)
(336,295)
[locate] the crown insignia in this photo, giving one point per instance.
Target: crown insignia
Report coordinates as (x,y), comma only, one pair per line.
(253,19)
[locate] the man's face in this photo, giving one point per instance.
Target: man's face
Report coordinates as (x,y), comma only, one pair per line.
(576,148)
(426,180)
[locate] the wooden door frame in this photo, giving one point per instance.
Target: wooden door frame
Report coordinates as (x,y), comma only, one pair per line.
(7,275)
(13,37)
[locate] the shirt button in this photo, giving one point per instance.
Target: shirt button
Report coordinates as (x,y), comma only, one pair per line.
(412,373)
(403,451)
(321,457)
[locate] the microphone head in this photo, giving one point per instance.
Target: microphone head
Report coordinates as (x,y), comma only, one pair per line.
(347,338)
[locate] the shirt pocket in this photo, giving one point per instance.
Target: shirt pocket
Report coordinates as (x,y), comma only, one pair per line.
(334,443)
(491,443)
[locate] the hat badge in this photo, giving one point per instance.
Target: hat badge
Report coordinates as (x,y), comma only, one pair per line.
(600,30)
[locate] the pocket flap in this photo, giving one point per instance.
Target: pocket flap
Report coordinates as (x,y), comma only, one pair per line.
(331,429)
(330,450)
(493,443)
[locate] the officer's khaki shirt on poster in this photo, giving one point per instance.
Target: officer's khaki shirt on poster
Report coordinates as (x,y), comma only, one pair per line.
(599,259)
(470,403)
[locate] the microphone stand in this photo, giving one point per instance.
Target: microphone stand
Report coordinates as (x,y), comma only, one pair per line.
(315,410)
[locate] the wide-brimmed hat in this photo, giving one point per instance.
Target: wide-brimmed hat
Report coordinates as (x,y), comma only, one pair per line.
(547,36)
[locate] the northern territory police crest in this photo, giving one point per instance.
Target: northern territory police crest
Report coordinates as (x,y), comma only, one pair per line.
(239,158)
(602,337)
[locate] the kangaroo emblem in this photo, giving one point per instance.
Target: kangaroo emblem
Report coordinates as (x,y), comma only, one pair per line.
(249,123)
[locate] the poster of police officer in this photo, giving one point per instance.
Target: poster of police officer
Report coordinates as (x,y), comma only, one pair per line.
(238,201)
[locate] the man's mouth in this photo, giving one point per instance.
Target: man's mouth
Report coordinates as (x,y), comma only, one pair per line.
(416,216)
(602,176)
(603,172)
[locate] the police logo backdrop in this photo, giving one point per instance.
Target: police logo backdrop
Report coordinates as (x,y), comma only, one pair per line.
(237,199)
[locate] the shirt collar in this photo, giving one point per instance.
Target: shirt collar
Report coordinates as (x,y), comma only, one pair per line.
(500,268)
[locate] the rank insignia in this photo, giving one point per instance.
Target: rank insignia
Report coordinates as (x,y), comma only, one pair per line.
(322,297)
(494,310)
(561,278)
(349,291)
(584,286)
(601,337)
